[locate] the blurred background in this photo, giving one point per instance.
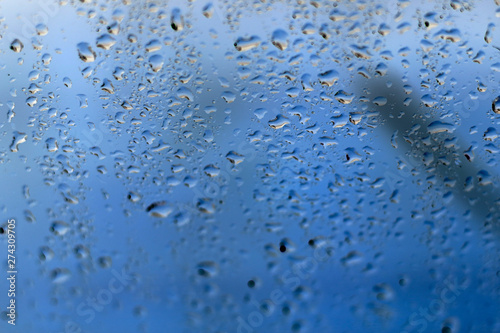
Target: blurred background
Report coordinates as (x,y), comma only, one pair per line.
(251,166)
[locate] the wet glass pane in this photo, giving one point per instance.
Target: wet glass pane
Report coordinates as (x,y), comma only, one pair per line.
(249,166)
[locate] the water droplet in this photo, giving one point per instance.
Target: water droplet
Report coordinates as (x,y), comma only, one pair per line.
(107,86)
(81,251)
(41,29)
(440,127)
(140,311)
(211,170)
(181,219)
(360,51)
(280,39)
(344,97)
(134,196)
(328,78)
(278,122)
(153,46)
(60,275)
(156,62)
(383,291)
(352,258)
(176,20)
(82,99)
(46,253)
(85,52)
(86,72)
(207,269)
(496,105)
(159,209)
(67,82)
(384,29)
(17,139)
(244,44)
(234,157)
(16,45)
(228,96)
(59,228)
(114,28)
(208,10)
(260,113)
(105,41)
(206,206)
(185,93)
(491,134)
(132,38)
(51,144)
(308,29)
(380,101)
(484,178)
(46,59)
(452,35)
(428,100)
(31,101)
(105,261)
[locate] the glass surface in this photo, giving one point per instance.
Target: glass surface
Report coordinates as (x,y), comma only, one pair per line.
(249,166)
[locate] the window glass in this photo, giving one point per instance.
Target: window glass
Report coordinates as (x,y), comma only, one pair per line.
(250,166)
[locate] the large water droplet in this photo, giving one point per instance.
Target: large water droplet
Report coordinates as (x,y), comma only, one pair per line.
(329,77)
(176,20)
(207,269)
(156,62)
(105,41)
(248,43)
(278,122)
(17,140)
(16,45)
(159,209)
(280,39)
(439,127)
(85,52)
(496,105)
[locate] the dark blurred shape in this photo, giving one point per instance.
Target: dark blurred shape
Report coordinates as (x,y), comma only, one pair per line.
(440,154)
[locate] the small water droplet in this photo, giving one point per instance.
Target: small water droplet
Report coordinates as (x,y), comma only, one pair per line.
(59,228)
(46,253)
(17,139)
(207,269)
(208,10)
(60,275)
